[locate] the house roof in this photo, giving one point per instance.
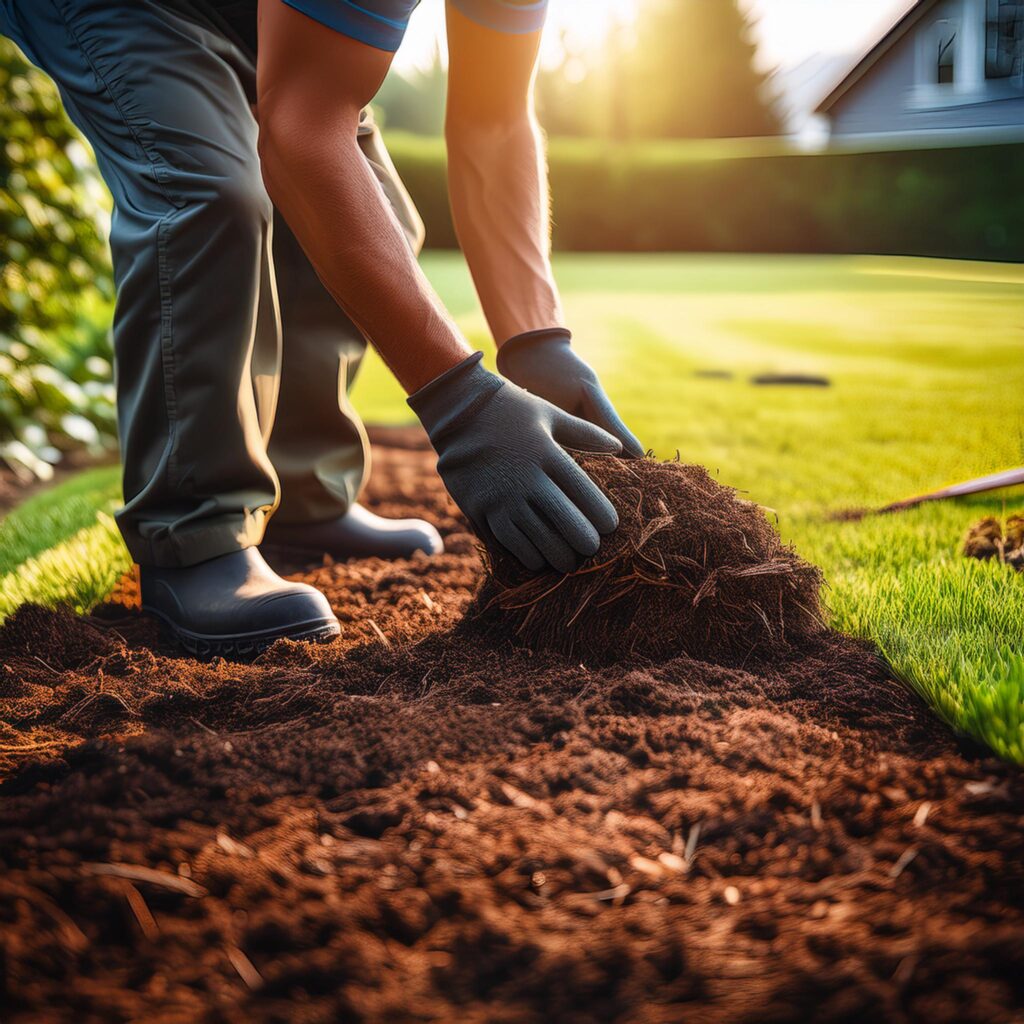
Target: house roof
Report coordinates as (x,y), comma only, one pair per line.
(902,26)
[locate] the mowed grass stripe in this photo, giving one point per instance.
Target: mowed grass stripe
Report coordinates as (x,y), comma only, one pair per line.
(54,515)
(79,572)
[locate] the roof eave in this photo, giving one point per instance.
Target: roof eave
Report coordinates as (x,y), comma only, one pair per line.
(875,54)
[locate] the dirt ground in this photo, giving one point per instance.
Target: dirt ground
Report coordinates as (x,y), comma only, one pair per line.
(423,823)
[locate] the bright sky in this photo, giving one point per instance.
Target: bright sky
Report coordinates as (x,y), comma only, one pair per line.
(787,31)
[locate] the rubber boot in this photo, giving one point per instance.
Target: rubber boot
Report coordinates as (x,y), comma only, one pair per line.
(235,606)
(357,534)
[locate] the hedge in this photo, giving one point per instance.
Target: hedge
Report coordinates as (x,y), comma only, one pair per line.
(757,197)
(55,356)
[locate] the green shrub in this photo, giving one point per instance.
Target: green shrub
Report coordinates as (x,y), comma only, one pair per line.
(755,196)
(55,286)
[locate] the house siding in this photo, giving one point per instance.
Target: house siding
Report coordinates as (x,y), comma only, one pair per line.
(882,100)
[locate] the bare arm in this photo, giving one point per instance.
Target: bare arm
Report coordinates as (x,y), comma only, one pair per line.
(498,176)
(308,109)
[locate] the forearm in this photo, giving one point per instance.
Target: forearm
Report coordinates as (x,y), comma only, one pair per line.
(499,197)
(318,178)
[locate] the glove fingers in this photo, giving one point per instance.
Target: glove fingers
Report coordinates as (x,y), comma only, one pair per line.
(573,432)
(586,496)
(546,539)
(575,528)
(510,537)
(600,410)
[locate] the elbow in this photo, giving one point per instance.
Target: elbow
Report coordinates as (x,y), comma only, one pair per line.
(490,135)
(295,147)
(276,155)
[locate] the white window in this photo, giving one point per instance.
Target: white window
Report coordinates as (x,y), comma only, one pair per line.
(944,54)
(945,60)
(938,55)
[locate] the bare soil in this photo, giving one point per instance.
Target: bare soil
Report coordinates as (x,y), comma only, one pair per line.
(427,822)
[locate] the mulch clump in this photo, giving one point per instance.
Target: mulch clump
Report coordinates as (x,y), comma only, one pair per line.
(432,822)
(992,539)
(692,569)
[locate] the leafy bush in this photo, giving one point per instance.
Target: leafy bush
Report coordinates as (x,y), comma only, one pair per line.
(55,285)
(756,196)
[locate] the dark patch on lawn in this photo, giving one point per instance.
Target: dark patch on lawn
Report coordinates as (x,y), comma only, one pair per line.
(807,380)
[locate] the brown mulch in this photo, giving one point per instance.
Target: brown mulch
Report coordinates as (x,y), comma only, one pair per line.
(992,539)
(425,822)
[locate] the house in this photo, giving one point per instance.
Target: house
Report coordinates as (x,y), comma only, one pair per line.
(948,72)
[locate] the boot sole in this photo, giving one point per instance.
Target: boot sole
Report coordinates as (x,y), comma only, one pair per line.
(243,646)
(286,555)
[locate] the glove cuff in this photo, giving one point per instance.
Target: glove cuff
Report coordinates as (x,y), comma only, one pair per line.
(529,341)
(454,397)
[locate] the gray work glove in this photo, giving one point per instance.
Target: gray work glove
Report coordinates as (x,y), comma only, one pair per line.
(544,363)
(501,458)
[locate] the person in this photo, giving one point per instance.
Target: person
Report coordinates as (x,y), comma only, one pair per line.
(260,234)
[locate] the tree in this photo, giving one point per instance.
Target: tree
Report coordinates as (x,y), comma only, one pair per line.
(692,73)
(414,102)
(55,282)
(688,73)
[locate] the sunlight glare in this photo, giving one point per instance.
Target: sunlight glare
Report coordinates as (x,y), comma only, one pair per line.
(572,28)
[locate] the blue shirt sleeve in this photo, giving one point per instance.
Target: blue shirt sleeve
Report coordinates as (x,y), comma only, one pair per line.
(378,23)
(382,23)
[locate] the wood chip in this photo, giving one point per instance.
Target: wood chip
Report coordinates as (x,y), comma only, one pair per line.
(815,814)
(645,866)
(620,892)
(137,873)
(691,843)
(518,798)
(233,847)
(245,967)
(139,907)
(71,935)
(380,633)
(922,814)
(732,895)
(426,599)
(673,862)
(905,858)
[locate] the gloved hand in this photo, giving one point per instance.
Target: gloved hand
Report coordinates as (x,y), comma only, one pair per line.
(544,363)
(501,458)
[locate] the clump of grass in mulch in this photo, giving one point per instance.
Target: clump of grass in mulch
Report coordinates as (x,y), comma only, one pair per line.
(992,538)
(692,569)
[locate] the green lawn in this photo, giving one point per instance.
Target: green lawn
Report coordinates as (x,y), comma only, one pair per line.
(925,359)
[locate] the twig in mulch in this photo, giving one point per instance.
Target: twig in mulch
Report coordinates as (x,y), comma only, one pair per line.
(905,858)
(245,967)
(380,633)
(152,876)
(139,907)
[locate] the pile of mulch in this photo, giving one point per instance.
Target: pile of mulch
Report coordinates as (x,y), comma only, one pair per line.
(992,539)
(428,821)
(692,569)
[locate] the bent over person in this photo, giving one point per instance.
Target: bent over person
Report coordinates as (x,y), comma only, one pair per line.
(260,235)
